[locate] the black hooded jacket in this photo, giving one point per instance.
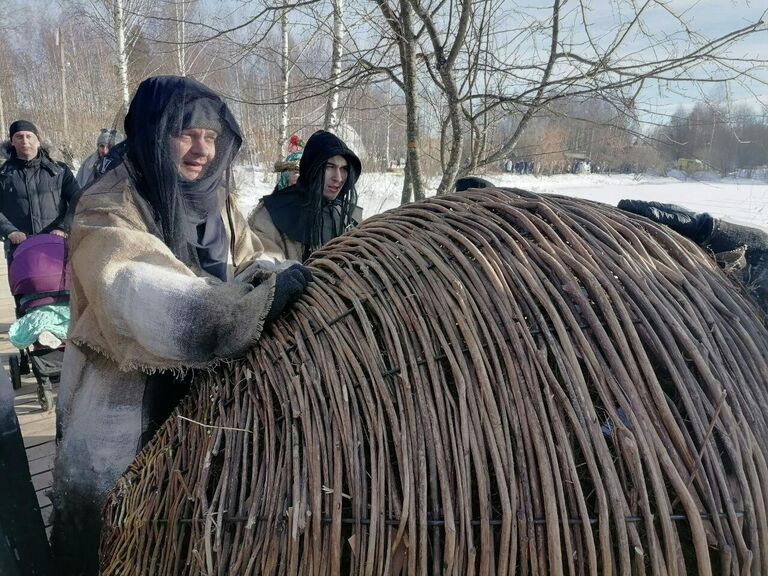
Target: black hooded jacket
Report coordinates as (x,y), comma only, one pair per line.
(300,212)
(34,194)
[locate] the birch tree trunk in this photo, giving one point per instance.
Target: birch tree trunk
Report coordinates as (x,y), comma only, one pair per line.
(389,126)
(62,71)
(285,68)
(332,107)
(181,49)
(122,50)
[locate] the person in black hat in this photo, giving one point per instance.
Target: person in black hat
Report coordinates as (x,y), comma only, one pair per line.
(35,190)
(295,221)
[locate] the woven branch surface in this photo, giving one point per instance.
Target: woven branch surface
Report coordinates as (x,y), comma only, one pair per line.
(487,383)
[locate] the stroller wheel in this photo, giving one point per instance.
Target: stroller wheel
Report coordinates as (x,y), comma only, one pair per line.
(45,396)
(13,365)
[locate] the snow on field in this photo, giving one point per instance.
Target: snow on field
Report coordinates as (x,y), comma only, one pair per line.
(739,200)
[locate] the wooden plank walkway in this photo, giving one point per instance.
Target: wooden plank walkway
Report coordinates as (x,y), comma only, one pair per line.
(37,427)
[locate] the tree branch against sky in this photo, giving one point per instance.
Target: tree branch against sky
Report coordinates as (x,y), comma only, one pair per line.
(611,50)
(456,86)
(488,60)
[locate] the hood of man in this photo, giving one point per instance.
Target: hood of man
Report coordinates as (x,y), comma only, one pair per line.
(321,146)
(189,211)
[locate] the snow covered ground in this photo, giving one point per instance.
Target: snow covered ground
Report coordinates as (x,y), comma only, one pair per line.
(739,200)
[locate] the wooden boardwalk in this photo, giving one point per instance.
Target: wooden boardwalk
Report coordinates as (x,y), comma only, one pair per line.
(37,427)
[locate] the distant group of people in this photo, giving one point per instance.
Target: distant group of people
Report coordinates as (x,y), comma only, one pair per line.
(167,274)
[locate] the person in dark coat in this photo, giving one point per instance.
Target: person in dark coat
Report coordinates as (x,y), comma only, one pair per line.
(740,250)
(35,190)
(295,221)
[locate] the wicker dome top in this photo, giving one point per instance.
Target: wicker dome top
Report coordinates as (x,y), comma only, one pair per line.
(491,381)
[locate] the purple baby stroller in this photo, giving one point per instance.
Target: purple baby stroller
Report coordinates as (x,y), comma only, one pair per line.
(39,275)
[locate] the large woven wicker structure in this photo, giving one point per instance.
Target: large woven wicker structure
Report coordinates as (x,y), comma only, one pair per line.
(487,383)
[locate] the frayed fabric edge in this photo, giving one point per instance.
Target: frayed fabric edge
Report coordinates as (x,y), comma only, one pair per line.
(180,369)
(177,369)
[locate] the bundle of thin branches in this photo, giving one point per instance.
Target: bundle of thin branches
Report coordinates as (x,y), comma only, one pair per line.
(489,383)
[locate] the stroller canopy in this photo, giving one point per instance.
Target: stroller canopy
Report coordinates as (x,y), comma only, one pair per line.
(38,272)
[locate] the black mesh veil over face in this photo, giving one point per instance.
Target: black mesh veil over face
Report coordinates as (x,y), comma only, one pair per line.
(188,212)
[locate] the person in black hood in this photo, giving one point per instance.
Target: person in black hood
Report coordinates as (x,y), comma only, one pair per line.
(297,220)
(166,278)
(35,190)
(181,141)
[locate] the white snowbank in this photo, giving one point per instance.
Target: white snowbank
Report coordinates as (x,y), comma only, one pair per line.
(739,200)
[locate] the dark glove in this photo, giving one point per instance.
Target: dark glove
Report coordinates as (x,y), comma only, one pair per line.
(289,286)
(697,227)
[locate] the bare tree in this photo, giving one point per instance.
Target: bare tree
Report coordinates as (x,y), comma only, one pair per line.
(446,54)
(285,68)
(63,73)
(2,97)
(121,21)
(2,108)
(119,27)
(5,25)
(639,52)
(332,108)
(484,65)
(400,21)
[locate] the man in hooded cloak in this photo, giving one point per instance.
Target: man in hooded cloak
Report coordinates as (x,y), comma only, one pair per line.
(166,278)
